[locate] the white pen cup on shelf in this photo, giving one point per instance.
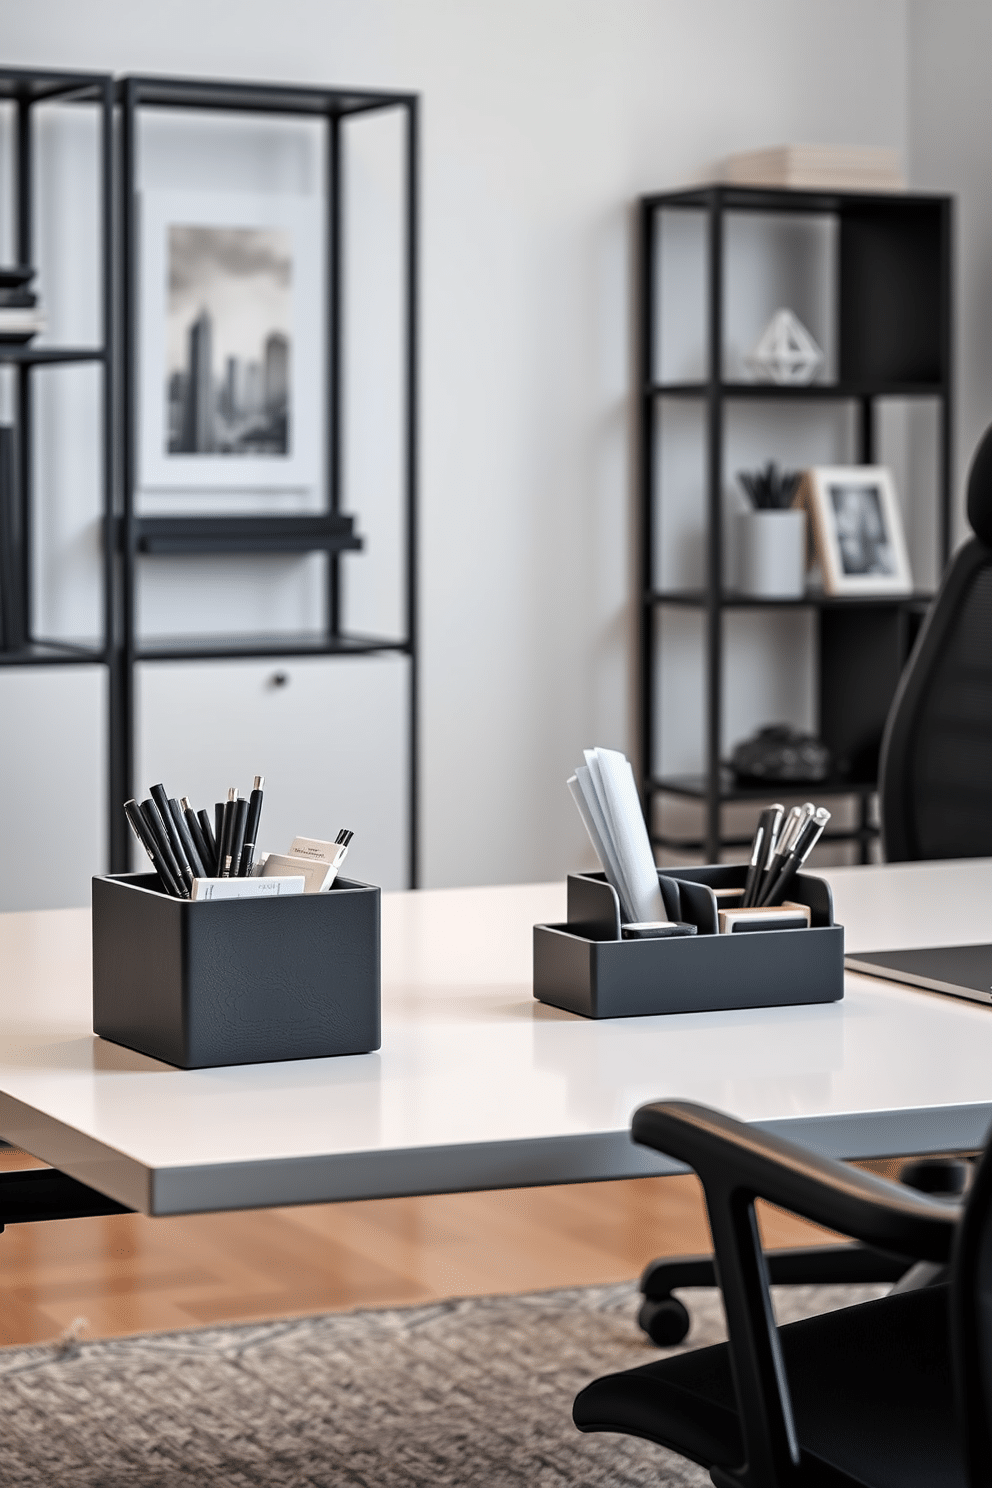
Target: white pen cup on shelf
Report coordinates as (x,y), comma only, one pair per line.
(772,553)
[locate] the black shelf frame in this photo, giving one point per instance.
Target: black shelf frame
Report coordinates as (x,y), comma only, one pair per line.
(810,392)
(731,599)
(266,645)
(25,89)
(330,531)
(919,365)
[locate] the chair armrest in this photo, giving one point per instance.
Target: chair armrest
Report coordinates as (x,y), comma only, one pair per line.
(833,1194)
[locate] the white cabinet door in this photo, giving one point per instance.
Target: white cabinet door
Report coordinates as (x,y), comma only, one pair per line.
(53,796)
(330,738)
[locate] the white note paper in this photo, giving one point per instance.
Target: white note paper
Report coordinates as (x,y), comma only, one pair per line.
(619,834)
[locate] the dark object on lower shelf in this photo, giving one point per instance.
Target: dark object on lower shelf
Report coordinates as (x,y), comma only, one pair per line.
(779,754)
(16,276)
(240,981)
(585,967)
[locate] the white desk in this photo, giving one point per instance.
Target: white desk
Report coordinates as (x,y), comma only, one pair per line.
(478,1086)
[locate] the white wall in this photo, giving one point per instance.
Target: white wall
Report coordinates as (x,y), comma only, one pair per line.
(950,123)
(542,120)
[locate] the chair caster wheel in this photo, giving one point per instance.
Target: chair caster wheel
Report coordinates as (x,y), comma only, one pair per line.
(665,1322)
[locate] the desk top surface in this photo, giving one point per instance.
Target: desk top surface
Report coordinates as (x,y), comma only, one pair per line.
(476,1084)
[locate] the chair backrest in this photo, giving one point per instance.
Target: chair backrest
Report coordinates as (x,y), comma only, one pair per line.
(935,779)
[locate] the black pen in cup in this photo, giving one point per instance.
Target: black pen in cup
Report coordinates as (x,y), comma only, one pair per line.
(140,829)
(238,836)
(160,796)
(226,834)
(251,827)
(156,828)
(769,823)
(186,838)
(203,846)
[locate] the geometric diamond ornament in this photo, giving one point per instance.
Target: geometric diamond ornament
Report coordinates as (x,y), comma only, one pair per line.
(786,351)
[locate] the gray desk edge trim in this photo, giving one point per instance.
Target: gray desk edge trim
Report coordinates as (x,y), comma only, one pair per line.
(82,1157)
(536,1162)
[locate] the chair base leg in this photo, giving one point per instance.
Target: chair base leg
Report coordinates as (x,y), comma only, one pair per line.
(666,1321)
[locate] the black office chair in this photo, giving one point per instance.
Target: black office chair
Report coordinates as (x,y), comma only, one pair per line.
(887,1394)
(935,782)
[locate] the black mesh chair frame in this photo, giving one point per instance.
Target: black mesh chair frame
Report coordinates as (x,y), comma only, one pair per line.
(966,587)
(738,1164)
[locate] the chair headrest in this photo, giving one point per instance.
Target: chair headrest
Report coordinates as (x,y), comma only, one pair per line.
(980,490)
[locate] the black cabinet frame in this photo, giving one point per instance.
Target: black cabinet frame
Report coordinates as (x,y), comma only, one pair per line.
(25,89)
(330,532)
(127,535)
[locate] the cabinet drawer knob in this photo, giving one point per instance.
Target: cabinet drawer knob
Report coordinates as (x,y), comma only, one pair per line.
(279,679)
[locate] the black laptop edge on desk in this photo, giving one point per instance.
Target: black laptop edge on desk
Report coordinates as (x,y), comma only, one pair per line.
(960,971)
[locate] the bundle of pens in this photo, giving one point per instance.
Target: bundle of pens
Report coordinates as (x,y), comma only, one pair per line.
(781,846)
(183,845)
(195,859)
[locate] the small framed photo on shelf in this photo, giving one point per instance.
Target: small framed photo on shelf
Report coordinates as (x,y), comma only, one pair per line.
(857,529)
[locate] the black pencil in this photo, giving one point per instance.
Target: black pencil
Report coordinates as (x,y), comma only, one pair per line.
(195,827)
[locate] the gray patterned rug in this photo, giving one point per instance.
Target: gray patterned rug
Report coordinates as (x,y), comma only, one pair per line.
(472,1394)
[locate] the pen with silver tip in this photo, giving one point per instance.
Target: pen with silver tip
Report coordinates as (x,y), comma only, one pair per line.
(238,837)
(185,836)
(769,823)
(787,838)
(754,867)
(251,827)
(226,834)
(810,835)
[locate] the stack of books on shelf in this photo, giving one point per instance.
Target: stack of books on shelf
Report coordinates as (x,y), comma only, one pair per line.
(815,168)
(21,317)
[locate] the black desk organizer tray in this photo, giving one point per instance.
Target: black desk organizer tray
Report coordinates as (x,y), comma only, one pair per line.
(235,981)
(584,967)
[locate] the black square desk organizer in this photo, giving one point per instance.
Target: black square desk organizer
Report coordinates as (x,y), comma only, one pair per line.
(235,981)
(585,967)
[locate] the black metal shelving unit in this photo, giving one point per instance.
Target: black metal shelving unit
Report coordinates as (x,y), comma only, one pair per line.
(139,537)
(893,300)
(25,90)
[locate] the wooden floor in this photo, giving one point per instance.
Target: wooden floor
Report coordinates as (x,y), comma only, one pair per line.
(129,1274)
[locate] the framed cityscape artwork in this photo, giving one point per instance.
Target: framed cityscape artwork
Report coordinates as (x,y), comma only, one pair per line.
(231,310)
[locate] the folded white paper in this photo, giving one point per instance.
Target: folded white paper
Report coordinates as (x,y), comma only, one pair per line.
(615,823)
(585,797)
